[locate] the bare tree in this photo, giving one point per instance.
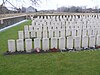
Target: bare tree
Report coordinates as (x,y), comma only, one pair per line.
(34,2)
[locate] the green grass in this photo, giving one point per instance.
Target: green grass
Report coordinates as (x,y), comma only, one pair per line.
(72,63)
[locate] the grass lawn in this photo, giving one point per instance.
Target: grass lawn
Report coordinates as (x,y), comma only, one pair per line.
(72,63)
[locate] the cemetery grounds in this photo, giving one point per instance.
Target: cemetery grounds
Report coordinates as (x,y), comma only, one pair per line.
(65,63)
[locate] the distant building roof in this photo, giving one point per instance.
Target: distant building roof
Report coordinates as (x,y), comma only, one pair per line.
(30,9)
(3,9)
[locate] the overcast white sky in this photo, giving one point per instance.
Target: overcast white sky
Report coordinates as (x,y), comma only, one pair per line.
(53,4)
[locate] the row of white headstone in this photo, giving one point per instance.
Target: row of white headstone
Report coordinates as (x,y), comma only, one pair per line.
(55,27)
(65,17)
(66,24)
(87,23)
(66,20)
(58,43)
(57,33)
(68,16)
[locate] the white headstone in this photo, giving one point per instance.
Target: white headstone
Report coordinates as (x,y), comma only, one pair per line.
(39,34)
(61,43)
(70,42)
(20,45)
(26,28)
(20,35)
(33,22)
(77,42)
(44,33)
(84,33)
(39,28)
(95,31)
(33,34)
(45,44)
(98,31)
(53,42)
(50,33)
(62,33)
(63,27)
(49,27)
(79,32)
(57,33)
(73,32)
(28,45)
(44,27)
(92,41)
(11,46)
(68,32)
(85,41)
(98,40)
(30,28)
(27,35)
(90,32)
(37,43)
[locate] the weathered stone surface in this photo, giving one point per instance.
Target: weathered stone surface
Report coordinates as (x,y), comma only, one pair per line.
(28,45)
(70,42)
(44,33)
(68,32)
(85,41)
(50,33)
(57,33)
(26,28)
(45,44)
(98,40)
(20,44)
(30,28)
(11,46)
(53,42)
(91,41)
(37,43)
(27,34)
(73,32)
(77,42)
(33,34)
(62,33)
(39,34)
(20,35)
(62,43)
